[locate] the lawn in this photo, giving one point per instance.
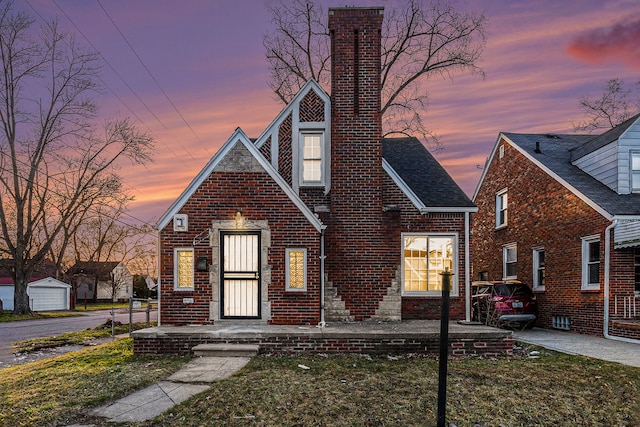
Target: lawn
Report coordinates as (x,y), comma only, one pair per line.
(347,390)
(56,391)
(553,390)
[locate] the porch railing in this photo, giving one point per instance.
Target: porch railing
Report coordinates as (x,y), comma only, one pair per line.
(626,306)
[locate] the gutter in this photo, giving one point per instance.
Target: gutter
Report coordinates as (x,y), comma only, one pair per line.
(322,323)
(467,264)
(607,268)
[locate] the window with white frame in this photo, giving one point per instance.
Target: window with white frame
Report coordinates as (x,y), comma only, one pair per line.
(635,170)
(538,268)
(296,269)
(501,208)
(510,261)
(183,268)
(424,258)
(591,262)
(312,162)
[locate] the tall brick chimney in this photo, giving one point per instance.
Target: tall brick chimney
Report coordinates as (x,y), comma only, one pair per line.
(355,242)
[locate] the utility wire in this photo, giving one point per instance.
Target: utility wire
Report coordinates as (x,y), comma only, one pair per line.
(115,94)
(123,81)
(152,76)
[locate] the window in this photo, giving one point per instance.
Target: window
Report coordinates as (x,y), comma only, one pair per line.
(501,209)
(510,261)
(635,170)
(538,269)
(591,263)
(425,257)
(312,164)
(296,266)
(183,268)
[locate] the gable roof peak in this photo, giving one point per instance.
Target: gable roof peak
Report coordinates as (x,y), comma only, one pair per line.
(603,139)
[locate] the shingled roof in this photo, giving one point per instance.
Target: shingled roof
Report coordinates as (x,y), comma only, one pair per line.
(423,175)
(554,152)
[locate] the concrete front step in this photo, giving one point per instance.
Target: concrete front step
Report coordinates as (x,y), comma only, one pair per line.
(226,350)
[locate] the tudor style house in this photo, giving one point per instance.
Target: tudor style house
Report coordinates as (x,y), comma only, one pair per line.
(318,219)
(562,213)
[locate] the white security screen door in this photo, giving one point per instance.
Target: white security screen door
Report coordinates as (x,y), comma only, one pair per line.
(240,275)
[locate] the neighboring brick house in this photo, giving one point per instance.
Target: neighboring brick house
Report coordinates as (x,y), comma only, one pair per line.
(562,214)
(318,219)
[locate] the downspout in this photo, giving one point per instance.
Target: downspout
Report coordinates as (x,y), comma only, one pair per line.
(607,267)
(467,266)
(322,323)
(158,266)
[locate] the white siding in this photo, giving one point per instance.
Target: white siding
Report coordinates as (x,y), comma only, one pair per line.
(629,141)
(602,164)
(44,295)
(6,295)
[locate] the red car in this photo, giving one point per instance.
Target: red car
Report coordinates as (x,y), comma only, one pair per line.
(504,304)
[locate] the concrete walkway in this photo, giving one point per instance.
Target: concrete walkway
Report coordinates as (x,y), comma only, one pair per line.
(152,401)
(585,345)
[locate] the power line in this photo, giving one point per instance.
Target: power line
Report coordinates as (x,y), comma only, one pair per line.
(151,75)
(123,80)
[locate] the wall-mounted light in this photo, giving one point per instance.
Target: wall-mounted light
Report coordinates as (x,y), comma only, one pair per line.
(239,219)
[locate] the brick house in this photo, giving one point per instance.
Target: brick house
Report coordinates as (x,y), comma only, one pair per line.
(318,219)
(562,213)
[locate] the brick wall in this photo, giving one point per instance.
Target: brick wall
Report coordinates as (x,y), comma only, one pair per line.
(358,261)
(218,199)
(427,344)
(543,213)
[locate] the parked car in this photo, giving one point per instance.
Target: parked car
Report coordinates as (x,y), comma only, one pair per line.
(504,304)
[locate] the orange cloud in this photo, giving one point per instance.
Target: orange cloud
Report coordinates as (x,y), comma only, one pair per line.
(618,42)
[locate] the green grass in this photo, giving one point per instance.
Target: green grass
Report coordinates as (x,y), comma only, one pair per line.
(73,338)
(57,391)
(556,390)
(101,306)
(346,390)
(8,316)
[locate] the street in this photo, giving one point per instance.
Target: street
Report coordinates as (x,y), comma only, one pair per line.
(11,332)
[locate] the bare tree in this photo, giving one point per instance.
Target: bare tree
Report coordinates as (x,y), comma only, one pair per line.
(421,39)
(120,279)
(609,110)
(55,164)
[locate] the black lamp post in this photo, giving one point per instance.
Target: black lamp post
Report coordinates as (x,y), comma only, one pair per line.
(444,348)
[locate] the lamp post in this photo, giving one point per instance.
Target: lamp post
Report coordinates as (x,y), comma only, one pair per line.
(444,348)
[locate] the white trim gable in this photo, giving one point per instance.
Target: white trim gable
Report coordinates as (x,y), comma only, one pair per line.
(545,169)
(293,109)
(238,136)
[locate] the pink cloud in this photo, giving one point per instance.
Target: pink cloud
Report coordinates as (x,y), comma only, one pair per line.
(618,42)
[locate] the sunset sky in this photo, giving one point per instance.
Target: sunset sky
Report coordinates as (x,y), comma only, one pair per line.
(190,72)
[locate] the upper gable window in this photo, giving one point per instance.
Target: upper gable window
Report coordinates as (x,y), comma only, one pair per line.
(312,164)
(635,171)
(501,209)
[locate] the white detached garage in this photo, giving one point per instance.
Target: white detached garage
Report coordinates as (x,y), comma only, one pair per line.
(46,294)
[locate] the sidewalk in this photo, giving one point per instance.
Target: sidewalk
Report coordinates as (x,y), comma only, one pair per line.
(152,401)
(585,345)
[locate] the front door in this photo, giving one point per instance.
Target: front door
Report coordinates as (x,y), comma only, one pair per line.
(240,278)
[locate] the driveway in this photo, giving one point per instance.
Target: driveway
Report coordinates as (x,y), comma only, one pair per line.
(601,348)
